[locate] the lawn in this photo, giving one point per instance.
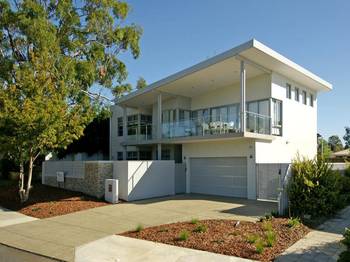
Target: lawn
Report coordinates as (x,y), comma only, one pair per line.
(45,201)
(262,241)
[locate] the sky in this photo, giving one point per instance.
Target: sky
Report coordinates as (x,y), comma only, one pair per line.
(314,33)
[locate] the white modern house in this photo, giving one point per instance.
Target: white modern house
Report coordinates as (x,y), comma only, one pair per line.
(231,121)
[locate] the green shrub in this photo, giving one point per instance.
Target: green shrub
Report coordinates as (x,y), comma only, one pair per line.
(270,238)
(346,240)
(344,256)
(266,217)
(345,188)
(200,228)
(314,188)
(139,228)
(251,239)
(347,171)
(194,221)
(184,235)
(267,226)
(293,222)
(274,213)
(259,246)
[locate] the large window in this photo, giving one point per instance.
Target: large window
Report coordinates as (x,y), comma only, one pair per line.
(146,126)
(276,117)
(120,126)
(169,116)
(166,154)
(184,117)
(132,155)
(145,155)
(132,125)
(258,120)
(168,120)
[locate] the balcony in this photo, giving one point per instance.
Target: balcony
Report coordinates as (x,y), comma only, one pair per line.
(210,126)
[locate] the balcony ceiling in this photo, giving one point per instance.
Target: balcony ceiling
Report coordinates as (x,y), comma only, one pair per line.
(210,78)
(223,70)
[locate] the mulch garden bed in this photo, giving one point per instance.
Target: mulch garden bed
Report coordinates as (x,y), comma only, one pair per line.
(45,201)
(227,237)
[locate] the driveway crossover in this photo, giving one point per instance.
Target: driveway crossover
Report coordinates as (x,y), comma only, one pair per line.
(58,237)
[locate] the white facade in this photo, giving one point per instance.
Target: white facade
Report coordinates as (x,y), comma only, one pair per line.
(202,113)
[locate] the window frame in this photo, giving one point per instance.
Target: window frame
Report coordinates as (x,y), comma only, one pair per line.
(304,96)
(120,126)
(297,94)
(288,91)
(120,155)
(311,100)
(133,157)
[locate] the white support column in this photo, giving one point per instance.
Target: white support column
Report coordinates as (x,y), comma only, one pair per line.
(188,175)
(243,97)
(125,130)
(159,126)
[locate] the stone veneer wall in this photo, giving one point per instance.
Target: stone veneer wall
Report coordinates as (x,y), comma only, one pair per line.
(91,184)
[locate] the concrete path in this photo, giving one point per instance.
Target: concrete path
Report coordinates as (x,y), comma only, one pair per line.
(58,237)
(322,244)
(118,248)
(9,254)
(8,217)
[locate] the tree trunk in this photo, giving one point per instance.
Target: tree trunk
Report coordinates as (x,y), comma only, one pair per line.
(21,181)
(24,193)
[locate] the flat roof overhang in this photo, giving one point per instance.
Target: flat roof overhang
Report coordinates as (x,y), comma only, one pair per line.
(223,70)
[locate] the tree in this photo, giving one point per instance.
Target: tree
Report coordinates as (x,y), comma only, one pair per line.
(94,140)
(335,143)
(51,53)
(141,83)
(347,137)
(323,149)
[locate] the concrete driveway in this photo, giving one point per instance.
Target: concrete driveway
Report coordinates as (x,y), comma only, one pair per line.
(58,237)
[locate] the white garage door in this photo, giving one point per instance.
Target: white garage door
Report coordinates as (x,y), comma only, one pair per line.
(225,176)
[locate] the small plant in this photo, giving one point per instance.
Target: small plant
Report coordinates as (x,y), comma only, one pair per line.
(267,226)
(251,239)
(274,213)
(259,246)
(194,221)
(139,228)
(346,240)
(270,238)
(293,222)
(184,235)
(268,216)
(200,228)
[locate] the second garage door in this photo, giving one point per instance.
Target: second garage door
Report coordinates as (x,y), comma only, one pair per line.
(225,176)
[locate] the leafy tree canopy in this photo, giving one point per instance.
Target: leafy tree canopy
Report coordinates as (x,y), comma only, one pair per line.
(141,83)
(51,53)
(335,143)
(323,148)
(347,137)
(94,140)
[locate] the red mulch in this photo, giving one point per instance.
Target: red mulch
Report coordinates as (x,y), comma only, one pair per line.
(45,201)
(223,237)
